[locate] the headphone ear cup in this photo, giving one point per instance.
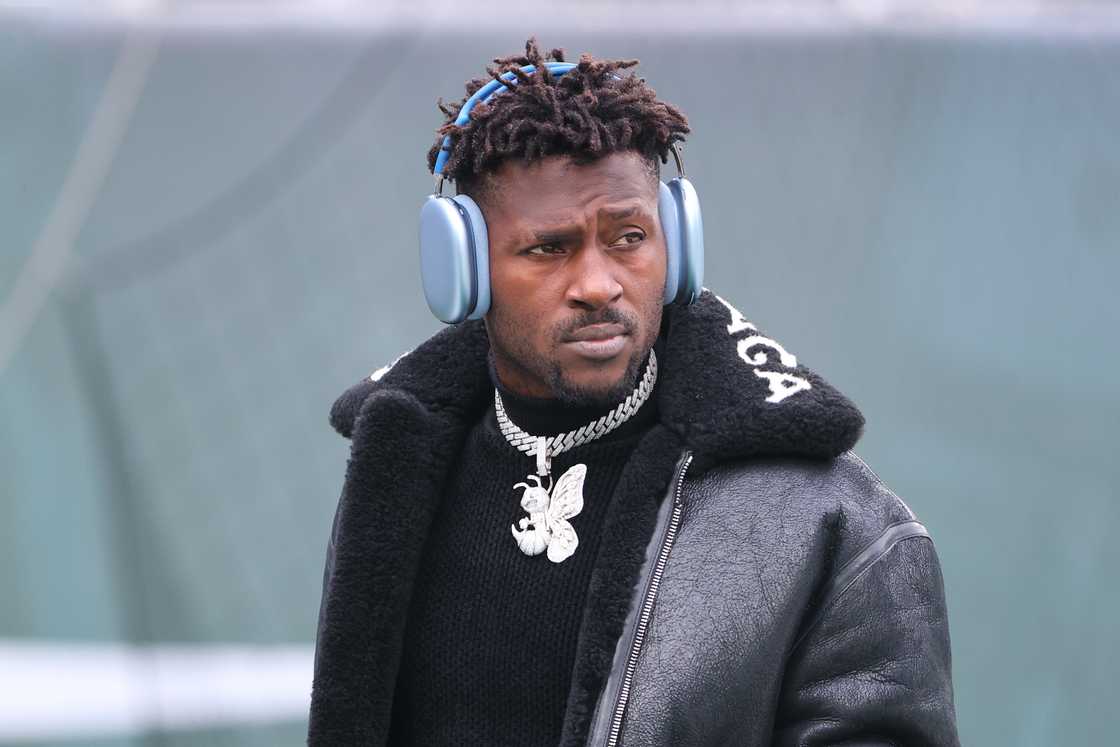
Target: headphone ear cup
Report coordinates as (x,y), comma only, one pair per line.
(671,229)
(679,209)
(454,258)
(480,253)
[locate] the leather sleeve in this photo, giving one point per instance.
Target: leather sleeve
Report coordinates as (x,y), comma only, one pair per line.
(872,666)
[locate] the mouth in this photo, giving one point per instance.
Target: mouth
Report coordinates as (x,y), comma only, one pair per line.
(598,342)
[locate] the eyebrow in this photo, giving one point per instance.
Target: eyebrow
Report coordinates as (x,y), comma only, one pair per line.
(565,233)
(556,235)
(620,213)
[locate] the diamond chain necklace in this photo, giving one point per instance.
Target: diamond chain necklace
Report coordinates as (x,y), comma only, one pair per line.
(547,527)
(546,448)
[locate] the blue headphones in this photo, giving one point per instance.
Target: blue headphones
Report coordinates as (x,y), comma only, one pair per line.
(455,250)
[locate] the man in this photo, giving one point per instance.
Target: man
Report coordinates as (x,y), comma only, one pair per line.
(589,518)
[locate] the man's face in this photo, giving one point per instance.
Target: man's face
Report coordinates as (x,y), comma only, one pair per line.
(577,273)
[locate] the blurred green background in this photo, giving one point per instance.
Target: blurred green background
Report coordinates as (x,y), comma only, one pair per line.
(928,216)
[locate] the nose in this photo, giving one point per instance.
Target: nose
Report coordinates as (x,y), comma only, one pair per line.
(593,284)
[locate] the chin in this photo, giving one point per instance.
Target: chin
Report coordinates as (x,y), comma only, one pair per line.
(601,388)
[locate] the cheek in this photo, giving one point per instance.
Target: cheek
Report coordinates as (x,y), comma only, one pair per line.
(507,291)
(650,275)
(515,309)
(653,314)
(525,294)
(652,284)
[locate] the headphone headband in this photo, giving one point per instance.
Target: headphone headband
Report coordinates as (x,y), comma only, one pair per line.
(493,88)
(483,94)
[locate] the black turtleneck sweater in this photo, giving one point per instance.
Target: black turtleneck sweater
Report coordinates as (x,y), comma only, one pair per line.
(491,635)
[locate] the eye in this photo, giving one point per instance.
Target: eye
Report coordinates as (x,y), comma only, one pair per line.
(630,238)
(541,250)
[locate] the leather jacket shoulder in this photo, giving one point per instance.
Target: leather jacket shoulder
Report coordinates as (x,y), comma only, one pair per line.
(800,603)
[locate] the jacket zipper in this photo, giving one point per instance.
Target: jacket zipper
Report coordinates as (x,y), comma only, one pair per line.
(647,608)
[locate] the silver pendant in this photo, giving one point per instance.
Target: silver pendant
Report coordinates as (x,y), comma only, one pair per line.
(547,526)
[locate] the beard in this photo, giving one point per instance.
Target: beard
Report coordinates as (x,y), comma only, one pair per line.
(508,341)
(572,394)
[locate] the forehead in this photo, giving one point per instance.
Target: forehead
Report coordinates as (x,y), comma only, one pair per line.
(557,185)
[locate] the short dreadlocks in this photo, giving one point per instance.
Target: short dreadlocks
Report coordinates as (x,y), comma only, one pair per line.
(587,113)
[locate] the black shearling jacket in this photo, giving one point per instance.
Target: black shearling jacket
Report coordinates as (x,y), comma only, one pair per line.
(759,586)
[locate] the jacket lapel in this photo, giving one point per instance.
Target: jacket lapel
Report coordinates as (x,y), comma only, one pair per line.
(395,477)
(407,425)
(628,529)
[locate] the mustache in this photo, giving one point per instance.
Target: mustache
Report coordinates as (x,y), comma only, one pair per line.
(603,316)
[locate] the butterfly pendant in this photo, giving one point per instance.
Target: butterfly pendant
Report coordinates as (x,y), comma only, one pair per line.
(547,525)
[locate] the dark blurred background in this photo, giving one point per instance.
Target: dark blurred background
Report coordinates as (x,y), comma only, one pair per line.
(208,216)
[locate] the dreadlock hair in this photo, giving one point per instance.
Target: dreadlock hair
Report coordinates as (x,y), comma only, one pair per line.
(587,113)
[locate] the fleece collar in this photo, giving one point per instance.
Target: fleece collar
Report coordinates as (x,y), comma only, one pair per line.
(726,389)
